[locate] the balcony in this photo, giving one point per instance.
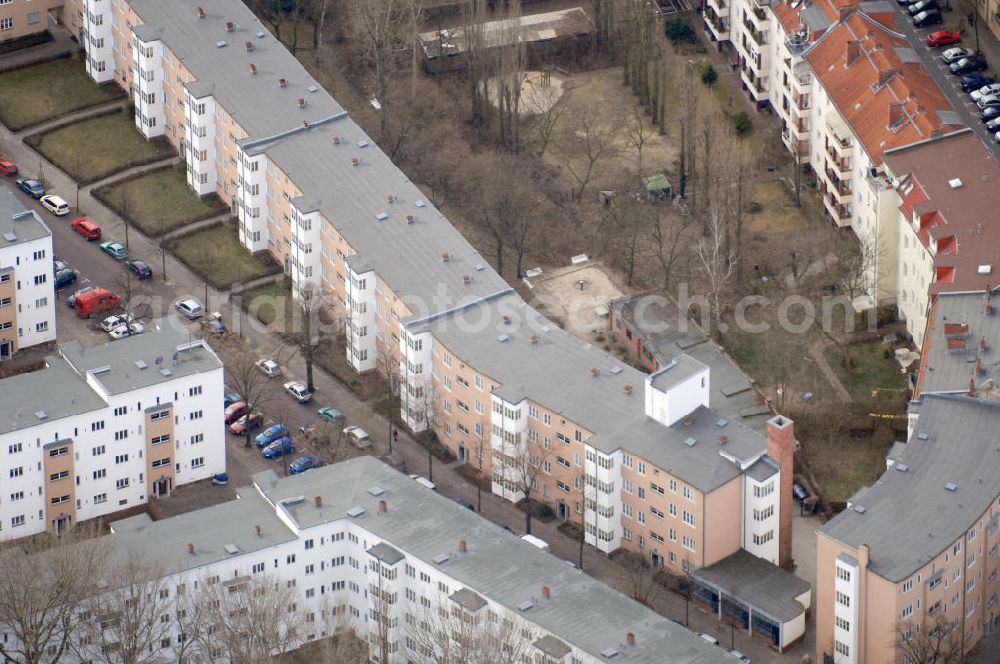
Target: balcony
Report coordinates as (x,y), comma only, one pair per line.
(796,42)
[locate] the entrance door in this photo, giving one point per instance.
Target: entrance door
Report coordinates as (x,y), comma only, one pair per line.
(161,488)
(6,350)
(561,509)
(462,454)
(656,559)
(61,525)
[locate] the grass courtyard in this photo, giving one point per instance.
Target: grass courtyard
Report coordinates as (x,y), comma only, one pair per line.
(159,202)
(35,94)
(217,255)
(95,148)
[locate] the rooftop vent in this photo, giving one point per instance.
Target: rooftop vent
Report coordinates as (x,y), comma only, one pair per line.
(955,183)
(10,237)
(362,144)
(230,26)
(902,467)
(525,606)
(381,216)
(691,442)
(231,549)
(166,372)
(441,558)
(220,44)
(253,68)
(420,204)
(984,269)
(951,486)
(922,436)
(860,509)
(248,46)
(140,364)
(200,12)
(41,414)
(478,267)
(261,34)
(312,88)
(608,653)
(100,370)
(502,338)
(376,491)
(282,82)
(721,422)
(355,512)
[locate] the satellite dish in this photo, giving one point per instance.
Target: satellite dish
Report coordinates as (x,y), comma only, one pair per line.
(158,361)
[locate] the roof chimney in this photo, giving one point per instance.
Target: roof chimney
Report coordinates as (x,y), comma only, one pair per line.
(191,549)
(282,82)
(884,75)
(248,46)
(301,102)
(389,198)
(201,12)
(972,387)
(305,124)
(466,279)
(256,529)
(723,439)
(688,421)
(462,546)
(533,338)
(982,344)
(506,320)
(230,26)
(253,68)
(445,257)
(410,218)
(594,371)
(355,161)
(627,389)
(318,500)
(989,304)
(853,51)
(979,366)
(383,506)
(630,638)
(546,593)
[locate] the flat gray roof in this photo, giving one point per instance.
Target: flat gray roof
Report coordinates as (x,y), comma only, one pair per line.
(468,599)
(497,565)
(256,101)
(944,366)
(54,392)
(910,515)
(676,371)
(18,224)
(555,370)
(757,583)
(386,553)
(165,338)
(762,469)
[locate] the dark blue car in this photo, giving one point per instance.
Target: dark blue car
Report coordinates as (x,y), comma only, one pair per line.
(271,434)
(975,81)
(989,113)
(140,269)
(279,448)
(304,463)
(230,399)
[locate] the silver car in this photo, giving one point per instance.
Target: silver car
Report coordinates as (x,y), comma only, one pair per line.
(189,308)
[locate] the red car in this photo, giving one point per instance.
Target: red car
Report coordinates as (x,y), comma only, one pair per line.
(246,423)
(7,167)
(234,412)
(943,38)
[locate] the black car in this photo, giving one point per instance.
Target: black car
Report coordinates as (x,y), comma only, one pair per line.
(65,277)
(927,17)
(33,188)
(975,81)
(967,66)
(140,269)
(922,5)
(989,113)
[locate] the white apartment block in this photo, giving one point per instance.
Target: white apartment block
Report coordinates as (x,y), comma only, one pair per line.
(27,293)
(102,429)
(357,541)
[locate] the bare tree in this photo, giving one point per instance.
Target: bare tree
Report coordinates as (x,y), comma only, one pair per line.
(244,376)
(590,143)
(637,134)
(508,61)
(641,577)
(548,111)
(938,641)
(310,300)
(205,256)
(668,234)
(44,581)
(717,266)
(342,645)
(453,634)
(507,207)
(124,624)
(329,438)
(388,369)
(522,469)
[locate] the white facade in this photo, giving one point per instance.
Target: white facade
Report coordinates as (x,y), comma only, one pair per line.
(361,285)
(915,271)
(31,262)
(602,499)
(99,39)
(682,398)
(845,610)
(253,202)
(761,511)
(147,93)
(416,359)
(199,141)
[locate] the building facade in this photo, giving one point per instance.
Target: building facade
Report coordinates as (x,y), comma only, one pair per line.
(102,429)
(20,18)
(27,292)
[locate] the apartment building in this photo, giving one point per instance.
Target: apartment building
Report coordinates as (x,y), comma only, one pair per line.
(27,293)
(101,429)
(19,18)
(914,556)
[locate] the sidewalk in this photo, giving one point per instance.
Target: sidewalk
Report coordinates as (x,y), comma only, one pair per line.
(61,45)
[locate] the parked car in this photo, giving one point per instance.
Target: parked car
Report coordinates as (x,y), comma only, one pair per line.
(975,82)
(328,414)
(140,269)
(246,423)
(111,322)
(271,434)
(904,3)
(921,6)
(967,66)
(87,229)
(231,398)
(71,300)
(800,492)
(989,113)
(358,436)
(234,411)
(926,18)
(943,38)
(55,205)
(58,265)
(279,448)
(298,391)
(94,302)
(985,91)
(304,463)
(708,637)
(189,308)
(987,101)
(215,324)
(33,188)
(423,481)
(957,53)
(7,167)
(64,278)
(114,249)
(740,656)
(269,368)
(996,137)
(127,330)
(220,479)
(993,125)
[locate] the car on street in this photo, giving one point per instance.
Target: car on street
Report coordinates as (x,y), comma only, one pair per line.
(111,322)
(708,637)
(127,330)
(298,391)
(926,18)
(114,249)
(423,481)
(88,229)
(991,100)
(993,125)
(328,414)
(269,368)
(95,302)
(71,300)
(250,422)
(189,308)
(65,277)
(740,656)
(943,38)
(957,53)
(234,411)
(33,188)
(214,323)
(279,448)
(230,399)
(55,205)
(140,269)
(271,434)
(967,66)
(800,492)
(985,91)
(7,167)
(304,463)
(922,6)
(975,82)
(996,137)
(357,436)
(989,113)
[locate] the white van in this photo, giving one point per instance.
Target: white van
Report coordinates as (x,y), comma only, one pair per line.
(540,543)
(423,481)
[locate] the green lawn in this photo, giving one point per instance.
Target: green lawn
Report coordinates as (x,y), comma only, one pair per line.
(265,302)
(93,149)
(49,90)
(216,254)
(159,201)
(871,370)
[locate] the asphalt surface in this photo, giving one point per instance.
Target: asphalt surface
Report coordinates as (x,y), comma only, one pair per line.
(948,82)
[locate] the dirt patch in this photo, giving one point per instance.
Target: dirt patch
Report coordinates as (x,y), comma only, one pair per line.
(540,91)
(576,296)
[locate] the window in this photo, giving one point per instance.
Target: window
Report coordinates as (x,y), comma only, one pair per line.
(763,490)
(16,447)
(843,599)
(908,611)
(194,391)
(195,415)
(17,472)
(61,475)
(40,279)
(17,521)
(197,462)
(842,648)
(844,624)
(18,495)
(98,451)
(122,483)
(159,416)
(845,575)
(760,515)
(158,440)
(101,473)
(689,518)
(8,24)
(688,494)
(657,488)
(59,451)
(764,538)
(160,463)
(100,498)
(121,458)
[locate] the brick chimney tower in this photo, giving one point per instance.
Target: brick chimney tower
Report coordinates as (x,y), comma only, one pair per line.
(781,448)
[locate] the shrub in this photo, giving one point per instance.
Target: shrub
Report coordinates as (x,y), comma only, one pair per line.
(679,31)
(544,511)
(708,75)
(740,122)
